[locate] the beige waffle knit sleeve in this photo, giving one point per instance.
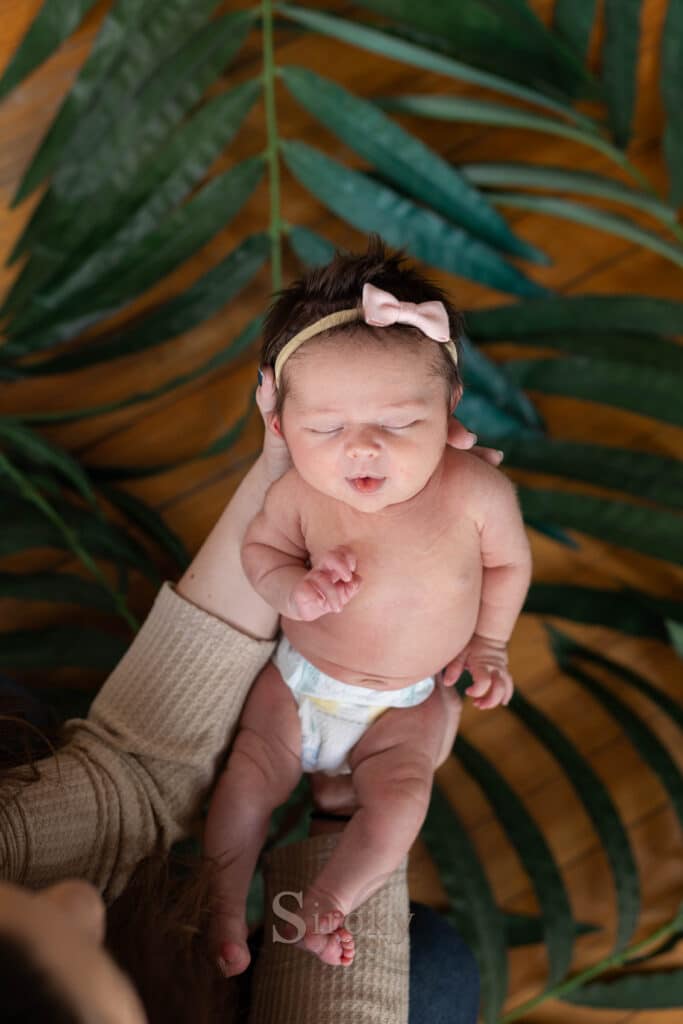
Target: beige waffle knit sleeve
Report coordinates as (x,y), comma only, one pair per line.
(133,776)
(294,987)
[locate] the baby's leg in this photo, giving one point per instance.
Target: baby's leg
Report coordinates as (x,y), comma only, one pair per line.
(263,768)
(392,768)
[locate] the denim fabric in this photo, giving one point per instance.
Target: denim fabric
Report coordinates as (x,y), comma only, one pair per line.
(444,978)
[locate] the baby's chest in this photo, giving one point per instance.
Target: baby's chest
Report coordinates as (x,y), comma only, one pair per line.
(413,559)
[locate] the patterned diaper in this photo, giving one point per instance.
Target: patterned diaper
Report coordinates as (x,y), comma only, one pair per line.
(334,715)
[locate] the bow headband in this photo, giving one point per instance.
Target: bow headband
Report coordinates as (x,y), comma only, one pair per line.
(379,309)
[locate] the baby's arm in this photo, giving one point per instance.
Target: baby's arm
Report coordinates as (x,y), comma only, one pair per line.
(275,560)
(506,558)
(506,561)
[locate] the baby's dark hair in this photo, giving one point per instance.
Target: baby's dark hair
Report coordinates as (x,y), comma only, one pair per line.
(339,285)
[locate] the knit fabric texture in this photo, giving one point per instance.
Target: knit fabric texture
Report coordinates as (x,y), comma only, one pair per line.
(132,779)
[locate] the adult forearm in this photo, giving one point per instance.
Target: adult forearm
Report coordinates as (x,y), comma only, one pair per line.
(216,580)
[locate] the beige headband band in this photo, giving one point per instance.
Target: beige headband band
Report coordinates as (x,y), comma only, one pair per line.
(342,316)
(379,309)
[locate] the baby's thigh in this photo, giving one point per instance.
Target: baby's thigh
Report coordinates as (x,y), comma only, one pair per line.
(419,732)
(270,716)
(394,760)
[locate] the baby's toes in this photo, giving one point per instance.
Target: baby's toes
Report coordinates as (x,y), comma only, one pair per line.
(339,948)
(348,947)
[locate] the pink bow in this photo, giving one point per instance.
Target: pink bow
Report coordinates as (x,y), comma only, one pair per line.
(380,309)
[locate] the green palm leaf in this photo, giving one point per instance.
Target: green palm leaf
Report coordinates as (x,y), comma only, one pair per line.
(26,527)
(372,207)
(148,520)
(128,210)
(671,84)
(636,388)
(237,346)
(312,249)
(585,314)
(37,451)
(497,115)
(117,37)
(637,990)
(57,587)
(502,36)
(622,348)
(566,648)
(650,748)
(491,381)
(61,646)
(368,38)
(563,179)
(156,255)
(619,61)
(642,474)
(627,611)
(54,22)
(611,223)
(652,531)
(473,908)
(534,853)
(573,20)
(129,98)
(203,299)
(599,806)
(113,169)
(222,443)
(403,159)
(488,420)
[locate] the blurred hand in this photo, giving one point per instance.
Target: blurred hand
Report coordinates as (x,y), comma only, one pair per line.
(460,437)
(275,450)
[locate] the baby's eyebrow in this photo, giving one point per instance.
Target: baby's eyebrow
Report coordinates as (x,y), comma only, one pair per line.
(411,403)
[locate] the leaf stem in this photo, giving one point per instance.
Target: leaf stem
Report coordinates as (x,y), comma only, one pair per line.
(27,489)
(275,229)
(609,962)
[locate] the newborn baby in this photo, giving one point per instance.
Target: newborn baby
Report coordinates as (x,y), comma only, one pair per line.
(391,558)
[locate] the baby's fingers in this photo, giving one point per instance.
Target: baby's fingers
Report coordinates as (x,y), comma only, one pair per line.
(340,562)
(499,692)
(331,598)
(481,681)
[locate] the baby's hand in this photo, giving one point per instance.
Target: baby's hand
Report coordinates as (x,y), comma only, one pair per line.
(487,662)
(328,587)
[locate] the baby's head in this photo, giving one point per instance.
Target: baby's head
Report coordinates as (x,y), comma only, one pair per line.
(357,402)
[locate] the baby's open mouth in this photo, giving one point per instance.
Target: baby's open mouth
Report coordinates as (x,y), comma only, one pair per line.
(366,484)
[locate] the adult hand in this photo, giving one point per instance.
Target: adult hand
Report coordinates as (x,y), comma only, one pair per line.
(275,451)
(460,437)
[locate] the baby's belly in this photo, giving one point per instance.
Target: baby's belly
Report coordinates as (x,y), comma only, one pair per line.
(393,635)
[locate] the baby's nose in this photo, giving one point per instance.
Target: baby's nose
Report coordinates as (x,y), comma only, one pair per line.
(362,445)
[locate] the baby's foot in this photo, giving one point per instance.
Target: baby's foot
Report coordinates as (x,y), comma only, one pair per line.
(229,943)
(336,947)
(325,936)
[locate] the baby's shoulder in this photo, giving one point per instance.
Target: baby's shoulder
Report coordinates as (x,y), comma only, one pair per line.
(471,481)
(285,490)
